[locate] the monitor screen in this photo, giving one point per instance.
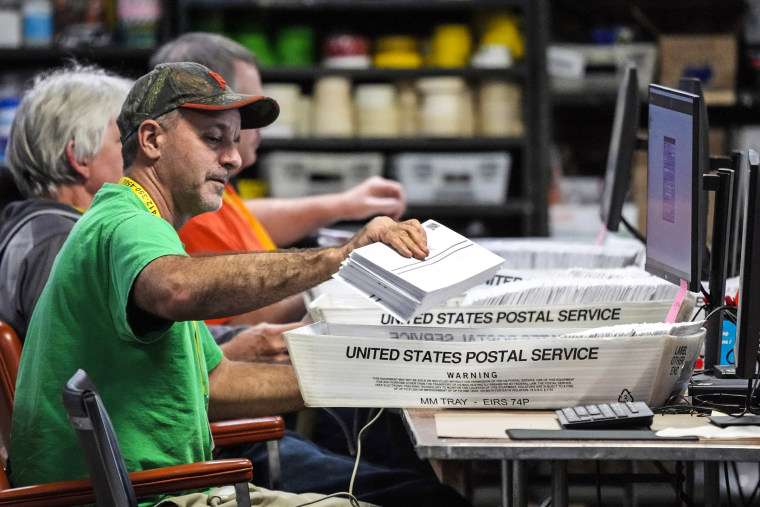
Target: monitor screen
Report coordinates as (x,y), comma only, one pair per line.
(748,315)
(617,178)
(675,224)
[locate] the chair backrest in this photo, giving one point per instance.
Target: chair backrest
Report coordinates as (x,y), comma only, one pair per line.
(98,442)
(10,355)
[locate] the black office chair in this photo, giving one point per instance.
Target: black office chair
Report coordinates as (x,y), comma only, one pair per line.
(100,447)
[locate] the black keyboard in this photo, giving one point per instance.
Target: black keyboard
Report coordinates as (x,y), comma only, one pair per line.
(628,414)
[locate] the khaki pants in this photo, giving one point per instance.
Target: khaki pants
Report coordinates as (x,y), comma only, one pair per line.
(225,497)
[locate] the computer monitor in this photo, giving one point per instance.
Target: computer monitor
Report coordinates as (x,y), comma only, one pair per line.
(748,317)
(694,85)
(617,177)
(675,223)
(738,163)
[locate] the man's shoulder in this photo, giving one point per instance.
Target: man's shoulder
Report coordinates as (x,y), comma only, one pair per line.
(117,211)
(115,203)
(32,208)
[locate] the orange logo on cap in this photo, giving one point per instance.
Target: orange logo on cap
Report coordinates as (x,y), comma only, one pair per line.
(219,79)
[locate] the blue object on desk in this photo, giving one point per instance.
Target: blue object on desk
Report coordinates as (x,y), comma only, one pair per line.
(727,340)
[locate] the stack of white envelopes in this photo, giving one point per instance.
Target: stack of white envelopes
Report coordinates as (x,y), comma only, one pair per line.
(405,287)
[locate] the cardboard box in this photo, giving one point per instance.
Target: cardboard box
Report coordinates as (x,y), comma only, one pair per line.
(371,366)
(712,58)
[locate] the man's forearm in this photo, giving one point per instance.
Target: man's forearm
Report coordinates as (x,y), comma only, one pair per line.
(302,216)
(242,389)
(199,288)
(290,309)
(182,288)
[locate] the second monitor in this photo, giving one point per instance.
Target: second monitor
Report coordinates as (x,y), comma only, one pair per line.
(675,225)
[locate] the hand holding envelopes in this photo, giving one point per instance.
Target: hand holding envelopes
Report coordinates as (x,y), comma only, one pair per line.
(405,287)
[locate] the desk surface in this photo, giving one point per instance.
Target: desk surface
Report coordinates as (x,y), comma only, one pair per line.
(422,429)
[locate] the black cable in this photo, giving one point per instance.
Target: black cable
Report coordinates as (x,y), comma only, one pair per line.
(728,485)
(633,230)
(682,408)
(681,495)
(716,310)
(701,309)
(756,488)
(745,403)
(346,432)
(356,424)
(598,483)
(704,292)
(738,483)
(749,395)
(736,409)
(752,385)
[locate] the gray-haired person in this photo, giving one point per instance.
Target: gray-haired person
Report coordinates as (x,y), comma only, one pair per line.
(64,145)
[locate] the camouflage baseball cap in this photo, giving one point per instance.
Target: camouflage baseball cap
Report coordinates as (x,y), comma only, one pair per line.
(189,85)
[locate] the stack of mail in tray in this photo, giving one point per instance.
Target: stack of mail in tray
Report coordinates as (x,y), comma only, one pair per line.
(405,287)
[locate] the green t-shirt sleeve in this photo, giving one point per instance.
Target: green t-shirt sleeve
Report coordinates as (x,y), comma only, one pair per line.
(134,243)
(211,350)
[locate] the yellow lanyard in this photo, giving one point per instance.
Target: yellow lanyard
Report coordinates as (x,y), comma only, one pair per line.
(141,193)
(200,363)
(151,205)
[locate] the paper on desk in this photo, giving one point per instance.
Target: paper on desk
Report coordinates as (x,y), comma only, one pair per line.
(711,431)
(550,253)
(477,424)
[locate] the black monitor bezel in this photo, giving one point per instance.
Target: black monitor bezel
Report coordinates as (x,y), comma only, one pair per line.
(747,340)
(625,126)
(670,273)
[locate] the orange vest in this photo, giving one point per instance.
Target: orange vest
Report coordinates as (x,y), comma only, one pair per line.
(231,229)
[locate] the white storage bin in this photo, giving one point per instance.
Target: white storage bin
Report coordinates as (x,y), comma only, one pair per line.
(461,178)
(584,67)
(297,174)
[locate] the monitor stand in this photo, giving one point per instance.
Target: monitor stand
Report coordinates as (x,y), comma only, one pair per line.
(707,390)
(722,185)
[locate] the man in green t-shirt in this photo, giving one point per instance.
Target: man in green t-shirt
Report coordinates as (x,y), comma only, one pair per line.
(123,298)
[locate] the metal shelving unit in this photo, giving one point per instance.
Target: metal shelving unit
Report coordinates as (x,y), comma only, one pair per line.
(525,212)
(573,22)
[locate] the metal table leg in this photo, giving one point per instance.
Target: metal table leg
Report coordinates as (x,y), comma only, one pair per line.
(559,483)
(520,490)
(711,483)
(507,487)
(690,486)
